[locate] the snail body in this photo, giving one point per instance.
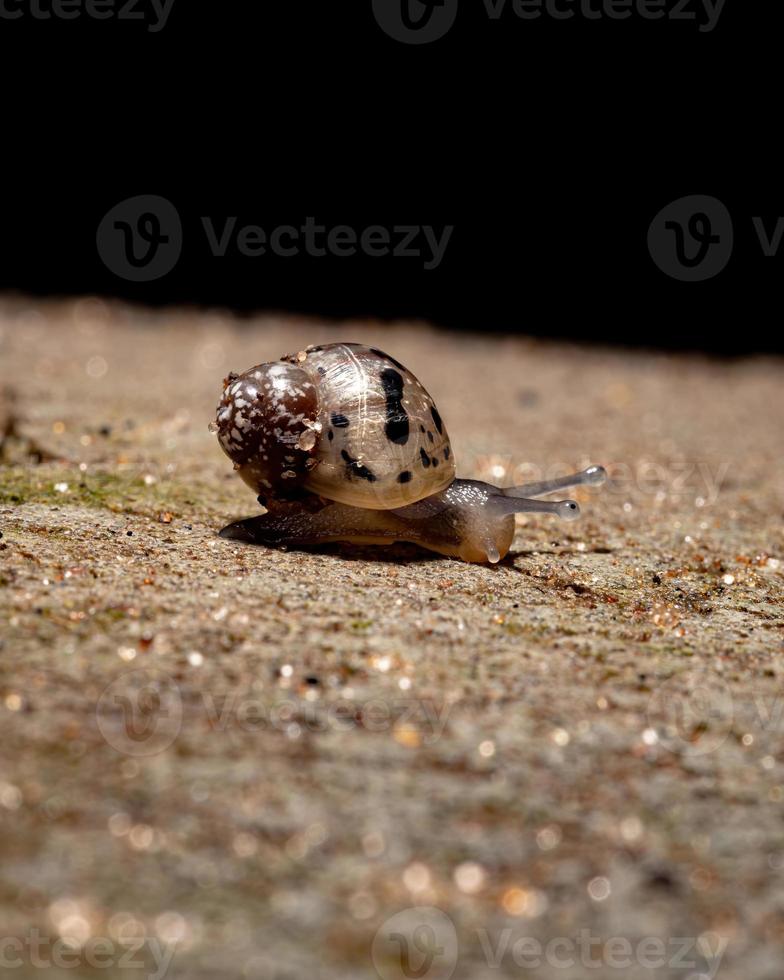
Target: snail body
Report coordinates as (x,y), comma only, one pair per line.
(342,443)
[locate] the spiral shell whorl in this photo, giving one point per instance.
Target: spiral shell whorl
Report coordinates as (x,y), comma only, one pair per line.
(267,425)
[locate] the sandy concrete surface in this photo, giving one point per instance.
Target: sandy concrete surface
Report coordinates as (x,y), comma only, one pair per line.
(225,761)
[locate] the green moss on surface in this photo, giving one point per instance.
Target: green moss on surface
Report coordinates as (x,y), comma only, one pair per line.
(116,492)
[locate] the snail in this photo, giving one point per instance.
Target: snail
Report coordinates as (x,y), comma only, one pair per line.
(342,443)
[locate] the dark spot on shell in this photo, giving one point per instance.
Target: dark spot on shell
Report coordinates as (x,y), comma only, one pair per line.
(355,468)
(396,427)
(330,435)
(434,461)
(425,458)
(321,370)
(380,353)
(446,452)
(430,436)
(421,428)
(339,421)
(404,477)
(437,419)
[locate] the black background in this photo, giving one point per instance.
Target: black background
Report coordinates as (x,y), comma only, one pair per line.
(548,145)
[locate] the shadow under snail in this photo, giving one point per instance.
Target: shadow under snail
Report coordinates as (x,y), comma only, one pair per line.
(342,443)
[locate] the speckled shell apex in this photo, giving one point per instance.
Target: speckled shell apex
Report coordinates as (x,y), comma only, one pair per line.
(343,421)
(264,424)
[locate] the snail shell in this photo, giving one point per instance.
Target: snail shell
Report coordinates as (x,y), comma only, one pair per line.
(343,421)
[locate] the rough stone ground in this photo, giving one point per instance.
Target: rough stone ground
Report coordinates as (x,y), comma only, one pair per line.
(252,759)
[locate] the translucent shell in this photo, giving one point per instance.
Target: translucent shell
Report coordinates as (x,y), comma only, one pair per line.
(381,442)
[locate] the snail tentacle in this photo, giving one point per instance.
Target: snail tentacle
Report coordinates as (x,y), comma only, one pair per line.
(567,510)
(593,476)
